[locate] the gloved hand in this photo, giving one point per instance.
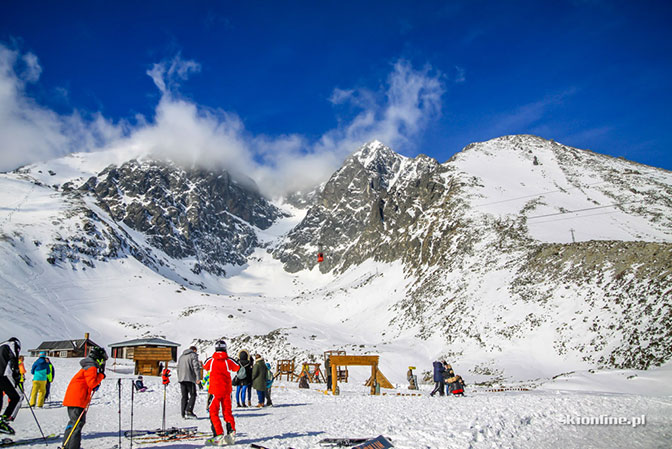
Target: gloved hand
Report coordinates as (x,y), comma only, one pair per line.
(200,386)
(96,388)
(101,369)
(16,375)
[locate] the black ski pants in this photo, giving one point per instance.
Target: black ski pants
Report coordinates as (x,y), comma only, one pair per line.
(7,387)
(440,387)
(188,397)
(74,440)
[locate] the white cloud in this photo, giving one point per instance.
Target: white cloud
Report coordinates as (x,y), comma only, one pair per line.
(184,131)
(30,132)
(168,75)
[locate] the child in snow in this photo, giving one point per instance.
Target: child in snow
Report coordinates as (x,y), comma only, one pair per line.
(78,395)
(139,385)
(456,386)
(22,371)
(50,377)
(220,367)
(269,384)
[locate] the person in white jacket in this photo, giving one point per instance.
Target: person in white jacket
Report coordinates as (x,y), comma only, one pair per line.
(188,374)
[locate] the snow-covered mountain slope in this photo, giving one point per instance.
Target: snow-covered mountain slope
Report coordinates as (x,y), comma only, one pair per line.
(471,260)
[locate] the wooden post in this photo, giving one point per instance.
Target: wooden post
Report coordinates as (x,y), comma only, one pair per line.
(334,378)
(373,376)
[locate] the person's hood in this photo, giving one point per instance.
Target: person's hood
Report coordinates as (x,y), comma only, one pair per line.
(87,363)
(188,351)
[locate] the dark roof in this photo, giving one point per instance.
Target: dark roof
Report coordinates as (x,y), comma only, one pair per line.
(143,342)
(63,345)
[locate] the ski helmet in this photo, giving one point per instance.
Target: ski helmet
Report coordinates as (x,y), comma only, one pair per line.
(220,346)
(98,354)
(17,345)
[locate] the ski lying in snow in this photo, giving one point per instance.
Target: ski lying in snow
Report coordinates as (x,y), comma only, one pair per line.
(161,432)
(257,446)
(379,442)
(6,442)
(155,438)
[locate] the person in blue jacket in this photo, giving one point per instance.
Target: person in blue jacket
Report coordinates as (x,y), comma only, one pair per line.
(40,371)
(438,378)
(269,385)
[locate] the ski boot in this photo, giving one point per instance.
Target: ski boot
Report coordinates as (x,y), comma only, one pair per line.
(218,440)
(5,427)
(230,438)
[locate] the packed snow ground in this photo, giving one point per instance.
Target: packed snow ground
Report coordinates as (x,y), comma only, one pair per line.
(546,417)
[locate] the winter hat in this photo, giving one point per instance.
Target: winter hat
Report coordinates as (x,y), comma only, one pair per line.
(220,346)
(42,354)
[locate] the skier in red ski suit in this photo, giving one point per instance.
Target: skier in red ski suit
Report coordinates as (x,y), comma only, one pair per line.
(220,367)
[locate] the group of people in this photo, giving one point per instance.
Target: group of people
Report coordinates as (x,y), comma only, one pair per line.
(77,396)
(446,381)
(218,375)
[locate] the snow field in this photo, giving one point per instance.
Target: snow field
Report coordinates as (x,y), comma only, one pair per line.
(300,418)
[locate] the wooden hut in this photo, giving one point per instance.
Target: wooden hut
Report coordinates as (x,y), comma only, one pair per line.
(65,348)
(148,354)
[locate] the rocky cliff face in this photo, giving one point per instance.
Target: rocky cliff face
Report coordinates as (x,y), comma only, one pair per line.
(369,208)
(205,217)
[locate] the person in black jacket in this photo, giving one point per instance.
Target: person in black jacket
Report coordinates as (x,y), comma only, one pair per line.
(10,379)
(438,378)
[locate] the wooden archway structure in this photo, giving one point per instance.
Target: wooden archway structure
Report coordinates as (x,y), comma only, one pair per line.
(353,360)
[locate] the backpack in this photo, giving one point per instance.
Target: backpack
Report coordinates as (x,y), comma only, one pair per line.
(241,373)
(269,374)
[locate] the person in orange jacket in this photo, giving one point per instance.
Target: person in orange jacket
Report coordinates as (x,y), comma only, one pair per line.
(78,395)
(221,367)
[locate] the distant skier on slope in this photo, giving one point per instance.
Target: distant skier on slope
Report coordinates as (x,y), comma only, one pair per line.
(78,395)
(10,382)
(221,367)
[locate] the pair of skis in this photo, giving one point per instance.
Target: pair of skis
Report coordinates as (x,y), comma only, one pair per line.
(379,442)
(167,435)
(7,442)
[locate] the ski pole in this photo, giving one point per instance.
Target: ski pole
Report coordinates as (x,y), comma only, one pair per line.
(164,407)
(78,419)
(119,388)
(132,399)
(33,412)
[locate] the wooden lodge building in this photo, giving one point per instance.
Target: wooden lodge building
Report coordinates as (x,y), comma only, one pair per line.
(148,353)
(65,348)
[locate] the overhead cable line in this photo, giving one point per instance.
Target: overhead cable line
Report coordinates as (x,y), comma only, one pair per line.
(538,194)
(581,210)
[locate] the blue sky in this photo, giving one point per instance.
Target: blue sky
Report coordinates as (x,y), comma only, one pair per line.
(282,81)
